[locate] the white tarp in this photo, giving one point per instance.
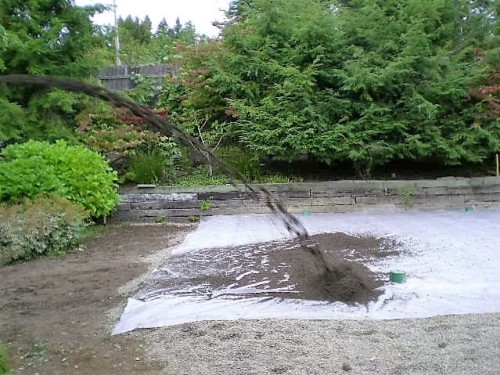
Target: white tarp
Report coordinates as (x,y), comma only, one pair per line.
(452,259)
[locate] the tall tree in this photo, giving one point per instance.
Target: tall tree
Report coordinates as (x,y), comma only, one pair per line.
(239,7)
(50,37)
(364,81)
(135,29)
(405,79)
(260,79)
(167,41)
(139,45)
(163,29)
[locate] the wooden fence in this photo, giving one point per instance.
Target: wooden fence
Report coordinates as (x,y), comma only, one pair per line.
(121,78)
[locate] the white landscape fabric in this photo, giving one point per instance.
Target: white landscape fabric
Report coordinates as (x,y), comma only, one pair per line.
(452,259)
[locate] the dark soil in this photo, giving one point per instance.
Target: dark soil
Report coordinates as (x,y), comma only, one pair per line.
(54,313)
(329,267)
(338,272)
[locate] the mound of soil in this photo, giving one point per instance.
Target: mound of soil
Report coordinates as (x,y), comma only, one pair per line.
(329,267)
(338,272)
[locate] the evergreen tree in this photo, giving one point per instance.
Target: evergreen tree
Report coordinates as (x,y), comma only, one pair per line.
(239,7)
(50,38)
(177,27)
(135,39)
(363,81)
(163,29)
(167,40)
(140,46)
(405,80)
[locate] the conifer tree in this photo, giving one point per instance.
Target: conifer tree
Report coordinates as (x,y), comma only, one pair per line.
(44,37)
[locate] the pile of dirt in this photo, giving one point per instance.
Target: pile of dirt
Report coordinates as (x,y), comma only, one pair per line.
(328,267)
(331,267)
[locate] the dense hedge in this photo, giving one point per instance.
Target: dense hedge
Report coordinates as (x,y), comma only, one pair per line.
(74,172)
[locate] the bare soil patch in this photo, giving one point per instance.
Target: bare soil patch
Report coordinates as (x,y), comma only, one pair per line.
(329,267)
(54,313)
(332,267)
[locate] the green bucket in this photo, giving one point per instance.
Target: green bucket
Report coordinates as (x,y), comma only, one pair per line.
(398,276)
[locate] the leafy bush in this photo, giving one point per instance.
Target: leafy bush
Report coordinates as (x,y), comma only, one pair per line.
(46,226)
(73,172)
(4,362)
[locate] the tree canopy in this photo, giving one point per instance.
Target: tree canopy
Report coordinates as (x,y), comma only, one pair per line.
(140,45)
(362,81)
(44,37)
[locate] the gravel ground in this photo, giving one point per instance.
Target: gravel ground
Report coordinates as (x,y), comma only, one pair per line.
(455,345)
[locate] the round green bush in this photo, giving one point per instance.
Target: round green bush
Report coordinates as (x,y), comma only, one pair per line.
(74,172)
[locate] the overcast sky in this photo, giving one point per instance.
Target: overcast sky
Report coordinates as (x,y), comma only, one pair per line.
(200,12)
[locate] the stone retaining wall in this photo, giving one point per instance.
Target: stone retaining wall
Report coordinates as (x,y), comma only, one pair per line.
(187,204)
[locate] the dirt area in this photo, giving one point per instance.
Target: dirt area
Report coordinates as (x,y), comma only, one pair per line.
(54,313)
(327,267)
(335,271)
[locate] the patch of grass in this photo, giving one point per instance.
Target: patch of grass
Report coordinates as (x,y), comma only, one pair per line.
(35,352)
(406,194)
(160,219)
(273,179)
(149,167)
(200,177)
(205,206)
(92,231)
(4,361)
(194,218)
(39,350)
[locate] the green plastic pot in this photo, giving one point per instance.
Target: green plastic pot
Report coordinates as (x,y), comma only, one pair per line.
(398,276)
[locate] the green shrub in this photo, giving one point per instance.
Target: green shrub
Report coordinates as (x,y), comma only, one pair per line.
(154,162)
(148,167)
(4,361)
(46,226)
(73,172)
(241,160)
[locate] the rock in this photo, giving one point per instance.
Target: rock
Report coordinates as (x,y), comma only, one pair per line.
(346,366)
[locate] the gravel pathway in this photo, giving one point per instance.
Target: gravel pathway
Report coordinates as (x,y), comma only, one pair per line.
(454,345)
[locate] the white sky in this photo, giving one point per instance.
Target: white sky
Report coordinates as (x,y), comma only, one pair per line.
(200,12)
